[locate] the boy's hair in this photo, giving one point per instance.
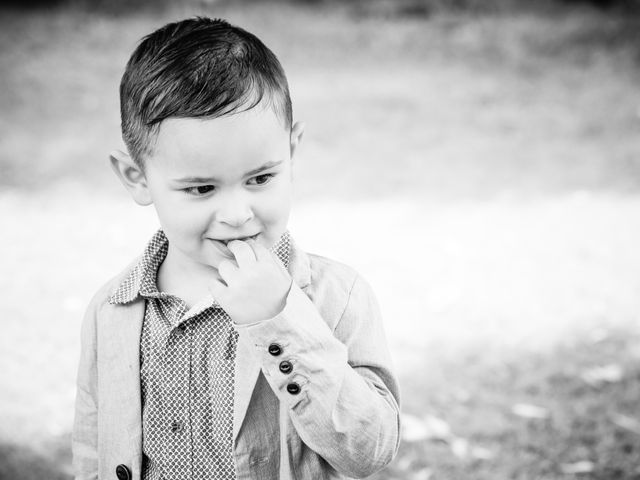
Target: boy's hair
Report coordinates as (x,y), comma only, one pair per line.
(197,68)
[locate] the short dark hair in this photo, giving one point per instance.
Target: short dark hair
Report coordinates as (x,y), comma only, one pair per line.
(197,68)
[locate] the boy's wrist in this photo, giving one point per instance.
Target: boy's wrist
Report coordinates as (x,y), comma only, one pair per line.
(254,316)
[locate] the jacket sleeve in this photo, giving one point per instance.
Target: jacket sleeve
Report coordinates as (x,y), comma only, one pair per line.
(346,406)
(85,427)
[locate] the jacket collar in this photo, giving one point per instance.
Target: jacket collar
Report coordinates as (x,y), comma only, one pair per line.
(299,266)
(141,279)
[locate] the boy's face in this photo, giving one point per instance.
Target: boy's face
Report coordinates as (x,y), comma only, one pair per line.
(215,180)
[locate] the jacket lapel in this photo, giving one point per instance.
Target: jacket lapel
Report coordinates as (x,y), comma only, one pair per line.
(122,332)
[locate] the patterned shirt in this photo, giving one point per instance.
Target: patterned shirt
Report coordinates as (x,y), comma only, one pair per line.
(187,362)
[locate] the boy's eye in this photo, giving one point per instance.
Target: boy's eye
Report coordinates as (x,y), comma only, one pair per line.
(199,190)
(260,179)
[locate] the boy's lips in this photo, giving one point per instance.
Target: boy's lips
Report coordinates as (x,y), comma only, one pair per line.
(225,241)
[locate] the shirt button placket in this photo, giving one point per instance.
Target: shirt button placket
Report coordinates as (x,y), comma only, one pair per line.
(176,426)
(176,394)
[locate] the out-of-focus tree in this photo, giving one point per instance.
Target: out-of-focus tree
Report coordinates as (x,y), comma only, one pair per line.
(427,7)
(109,6)
(392,7)
(29,3)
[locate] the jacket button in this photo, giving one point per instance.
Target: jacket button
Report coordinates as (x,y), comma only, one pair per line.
(123,472)
(285,367)
(293,388)
(275,349)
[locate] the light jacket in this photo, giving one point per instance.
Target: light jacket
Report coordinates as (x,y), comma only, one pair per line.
(342,423)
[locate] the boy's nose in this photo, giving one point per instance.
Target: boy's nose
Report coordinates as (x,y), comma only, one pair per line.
(234,212)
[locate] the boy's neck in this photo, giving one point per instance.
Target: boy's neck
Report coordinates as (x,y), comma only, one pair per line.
(180,276)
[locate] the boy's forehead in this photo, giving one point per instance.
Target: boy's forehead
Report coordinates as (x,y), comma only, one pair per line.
(259,124)
(232,143)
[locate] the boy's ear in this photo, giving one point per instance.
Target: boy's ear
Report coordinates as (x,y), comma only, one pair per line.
(297,131)
(131,176)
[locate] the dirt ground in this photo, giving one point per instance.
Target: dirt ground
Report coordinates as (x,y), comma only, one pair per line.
(482,173)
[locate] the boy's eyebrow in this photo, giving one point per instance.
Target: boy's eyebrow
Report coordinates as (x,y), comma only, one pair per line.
(255,171)
(266,166)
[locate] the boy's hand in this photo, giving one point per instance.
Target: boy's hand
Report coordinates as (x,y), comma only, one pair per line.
(256,284)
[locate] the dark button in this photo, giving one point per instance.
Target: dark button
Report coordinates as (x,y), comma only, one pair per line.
(293,388)
(176,425)
(182,327)
(285,367)
(275,349)
(123,472)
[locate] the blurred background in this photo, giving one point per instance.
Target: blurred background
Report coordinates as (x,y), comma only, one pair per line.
(477,161)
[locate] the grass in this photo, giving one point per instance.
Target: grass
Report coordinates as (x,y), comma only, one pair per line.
(488,177)
(24,463)
(475,395)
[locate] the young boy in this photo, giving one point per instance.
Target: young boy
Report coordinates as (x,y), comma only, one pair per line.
(225,351)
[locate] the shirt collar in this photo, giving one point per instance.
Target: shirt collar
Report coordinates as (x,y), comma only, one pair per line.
(141,280)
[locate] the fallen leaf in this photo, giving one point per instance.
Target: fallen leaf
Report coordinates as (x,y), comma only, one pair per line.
(526,410)
(598,376)
(481,453)
(422,474)
(437,428)
(404,463)
(459,447)
(577,467)
(626,422)
(413,428)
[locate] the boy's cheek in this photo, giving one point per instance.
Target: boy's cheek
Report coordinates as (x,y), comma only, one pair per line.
(181,220)
(280,205)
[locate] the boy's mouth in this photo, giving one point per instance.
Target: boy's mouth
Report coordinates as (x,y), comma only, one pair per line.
(243,239)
